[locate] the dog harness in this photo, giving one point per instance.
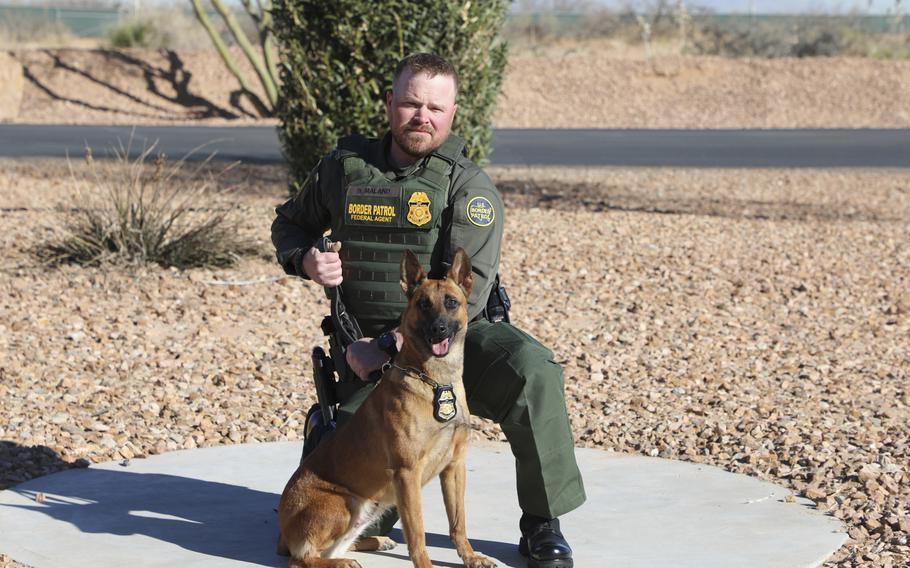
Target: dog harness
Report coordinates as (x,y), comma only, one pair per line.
(381,218)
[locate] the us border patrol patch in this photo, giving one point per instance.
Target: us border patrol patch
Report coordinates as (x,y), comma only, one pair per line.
(480,211)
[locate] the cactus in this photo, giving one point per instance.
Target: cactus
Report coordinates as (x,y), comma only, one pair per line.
(265,66)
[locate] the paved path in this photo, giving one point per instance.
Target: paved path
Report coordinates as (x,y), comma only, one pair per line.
(678,148)
(215,508)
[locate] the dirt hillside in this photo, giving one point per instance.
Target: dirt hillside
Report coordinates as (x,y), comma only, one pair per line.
(582,85)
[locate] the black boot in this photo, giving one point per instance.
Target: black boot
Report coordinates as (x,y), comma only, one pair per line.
(543,544)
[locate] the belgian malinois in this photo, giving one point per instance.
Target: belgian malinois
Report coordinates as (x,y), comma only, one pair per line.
(413,427)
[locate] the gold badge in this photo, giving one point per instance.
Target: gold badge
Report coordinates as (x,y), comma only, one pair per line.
(419,209)
(444,408)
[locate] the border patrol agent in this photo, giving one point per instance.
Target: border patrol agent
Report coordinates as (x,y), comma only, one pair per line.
(415,189)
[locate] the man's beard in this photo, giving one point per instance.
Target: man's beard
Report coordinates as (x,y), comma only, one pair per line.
(416,145)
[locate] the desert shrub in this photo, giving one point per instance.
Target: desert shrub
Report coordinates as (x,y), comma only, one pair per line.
(135,33)
(881,46)
(820,43)
(339,58)
(168,28)
(713,38)
(140,211)
(705,33)
(821,37)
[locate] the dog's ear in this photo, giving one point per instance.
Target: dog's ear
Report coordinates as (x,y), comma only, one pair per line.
(460,271)
(412,274)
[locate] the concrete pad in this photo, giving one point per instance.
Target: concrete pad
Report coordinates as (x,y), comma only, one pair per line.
(216,507)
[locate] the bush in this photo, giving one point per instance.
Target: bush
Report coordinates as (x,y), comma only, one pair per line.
(164,28)
(820,43)
(739,41)
(136,33)
(890,46)
(132,212)
(339,57)
(823,37)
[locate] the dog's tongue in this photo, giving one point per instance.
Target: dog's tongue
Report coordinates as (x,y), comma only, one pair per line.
(441,348)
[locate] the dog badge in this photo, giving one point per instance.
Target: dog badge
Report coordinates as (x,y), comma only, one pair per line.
(419,209)
(444,403)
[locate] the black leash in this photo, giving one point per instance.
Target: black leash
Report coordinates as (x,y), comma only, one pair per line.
(345,324)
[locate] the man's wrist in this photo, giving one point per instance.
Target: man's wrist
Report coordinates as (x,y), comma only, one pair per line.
(388,343)
(297,258)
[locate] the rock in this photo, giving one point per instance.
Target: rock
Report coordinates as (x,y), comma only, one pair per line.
(76,336)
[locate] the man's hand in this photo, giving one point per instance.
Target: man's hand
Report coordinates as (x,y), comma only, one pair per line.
(364,355)
(323,268)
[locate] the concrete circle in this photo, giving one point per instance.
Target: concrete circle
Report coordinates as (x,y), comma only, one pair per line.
(216,507)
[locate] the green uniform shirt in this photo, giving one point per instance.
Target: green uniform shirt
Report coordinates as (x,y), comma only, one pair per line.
(473,218)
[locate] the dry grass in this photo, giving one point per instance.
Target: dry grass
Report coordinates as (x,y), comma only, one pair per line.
(137,211)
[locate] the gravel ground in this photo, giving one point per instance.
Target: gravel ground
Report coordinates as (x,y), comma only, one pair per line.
(572,85)
(752,320)
(591,85)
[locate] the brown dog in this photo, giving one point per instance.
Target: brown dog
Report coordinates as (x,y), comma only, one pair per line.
(413,427)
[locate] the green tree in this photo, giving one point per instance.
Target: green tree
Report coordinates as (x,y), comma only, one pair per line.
(338,58)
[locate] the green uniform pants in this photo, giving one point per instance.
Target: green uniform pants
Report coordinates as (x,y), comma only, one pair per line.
(511,379)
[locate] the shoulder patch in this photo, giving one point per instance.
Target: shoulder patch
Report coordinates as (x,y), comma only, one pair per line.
(480,211)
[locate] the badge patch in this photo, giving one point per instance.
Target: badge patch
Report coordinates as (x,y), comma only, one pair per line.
(371,213)
(480,211)
(419,209)
(444,408)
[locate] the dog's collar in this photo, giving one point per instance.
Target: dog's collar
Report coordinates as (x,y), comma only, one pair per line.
(444,406)
(412,372)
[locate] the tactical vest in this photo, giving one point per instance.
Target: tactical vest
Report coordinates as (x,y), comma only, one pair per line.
(383,218)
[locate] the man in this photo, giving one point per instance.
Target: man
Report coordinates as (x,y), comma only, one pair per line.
(415,189)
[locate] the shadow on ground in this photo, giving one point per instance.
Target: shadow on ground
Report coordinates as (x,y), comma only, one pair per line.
(22,463)
(502,551)
(586,197)
(211,518)
(168,93)
(206,517)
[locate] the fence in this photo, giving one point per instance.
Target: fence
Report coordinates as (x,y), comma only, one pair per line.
(81,22)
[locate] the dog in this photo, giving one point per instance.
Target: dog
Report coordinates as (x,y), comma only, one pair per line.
(413,427)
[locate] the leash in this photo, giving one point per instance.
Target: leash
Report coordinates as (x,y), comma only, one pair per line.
(412,372)
(444,408)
